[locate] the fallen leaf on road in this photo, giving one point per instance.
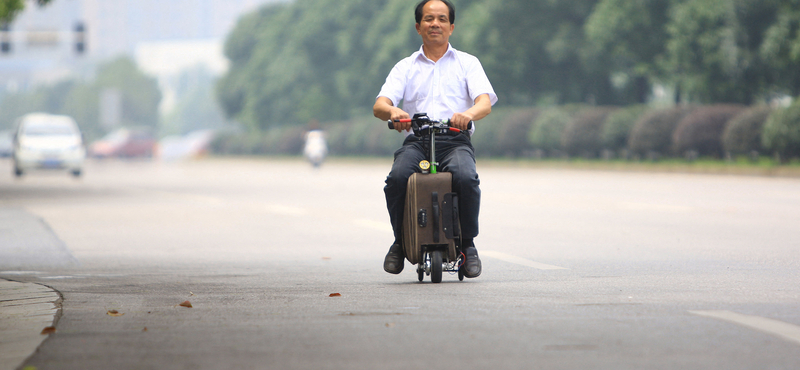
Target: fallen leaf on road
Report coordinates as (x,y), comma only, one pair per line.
(389,324)
(326,258)
(48,330)
(191,294)
(186,304)
(335,295)
(114,313)
(145,329)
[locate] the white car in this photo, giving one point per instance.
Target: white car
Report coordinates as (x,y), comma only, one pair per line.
(46,141)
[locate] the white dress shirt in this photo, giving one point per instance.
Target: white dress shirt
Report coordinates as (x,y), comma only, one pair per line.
(440,88)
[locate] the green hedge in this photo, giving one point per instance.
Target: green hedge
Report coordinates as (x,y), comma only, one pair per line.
(782,132)
(700,132)
(504,133)
(548,129)
(572,129)
(743,133)
(618,126)
(582,134)
(652,134)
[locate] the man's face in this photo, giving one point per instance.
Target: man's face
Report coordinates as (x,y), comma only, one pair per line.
(435,27)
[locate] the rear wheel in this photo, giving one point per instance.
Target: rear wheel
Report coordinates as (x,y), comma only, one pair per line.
(436,266)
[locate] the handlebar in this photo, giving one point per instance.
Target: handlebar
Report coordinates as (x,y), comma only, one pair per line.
(421,122)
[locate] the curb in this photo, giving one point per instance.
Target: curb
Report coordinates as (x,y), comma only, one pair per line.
(25,310)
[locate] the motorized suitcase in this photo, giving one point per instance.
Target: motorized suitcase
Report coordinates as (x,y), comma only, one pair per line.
(431,216)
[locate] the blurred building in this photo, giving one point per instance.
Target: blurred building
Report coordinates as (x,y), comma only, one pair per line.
(68,37)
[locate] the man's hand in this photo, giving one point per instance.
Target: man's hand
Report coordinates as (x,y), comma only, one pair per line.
(482,108)
(461,120)
(397,114)
(385,110)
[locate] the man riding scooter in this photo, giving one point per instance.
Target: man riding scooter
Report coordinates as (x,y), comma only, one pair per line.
(446,84)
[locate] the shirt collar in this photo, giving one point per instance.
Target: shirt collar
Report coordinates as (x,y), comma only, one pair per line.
(420,54)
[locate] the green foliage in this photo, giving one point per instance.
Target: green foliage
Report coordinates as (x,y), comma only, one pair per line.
(781,48)
(196,107)
(10,8)
(14,106)
(140,93)
(743,133)
(82,103)
(512,136)
(618,126)
(548,129)
(363,136)
(313,59)
(713,49)
(629,37)
(582,135)
(782,131)
(701,130)
(653,132)
(81,100)
(504,133)
(326,59)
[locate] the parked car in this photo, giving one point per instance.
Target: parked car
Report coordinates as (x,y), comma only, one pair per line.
(46,141)
(125,143)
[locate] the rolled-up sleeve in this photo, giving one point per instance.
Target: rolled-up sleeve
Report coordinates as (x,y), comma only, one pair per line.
(477,81)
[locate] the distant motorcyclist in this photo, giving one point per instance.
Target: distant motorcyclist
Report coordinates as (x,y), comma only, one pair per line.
(446,84)
(315,149)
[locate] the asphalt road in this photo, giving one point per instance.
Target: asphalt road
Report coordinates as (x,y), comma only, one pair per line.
(582,270)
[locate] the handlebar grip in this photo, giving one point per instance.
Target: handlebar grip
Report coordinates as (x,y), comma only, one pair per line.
(391,123)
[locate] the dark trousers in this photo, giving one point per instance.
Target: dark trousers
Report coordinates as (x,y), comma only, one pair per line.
(456,155)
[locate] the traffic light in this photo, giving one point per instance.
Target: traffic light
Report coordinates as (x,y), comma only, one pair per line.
(80,38)
(5,39)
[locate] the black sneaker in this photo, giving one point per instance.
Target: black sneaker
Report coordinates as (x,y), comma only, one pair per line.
(472,263)
(395,259)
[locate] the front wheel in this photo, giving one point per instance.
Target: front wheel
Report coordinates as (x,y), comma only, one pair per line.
(436,267)
(17,171)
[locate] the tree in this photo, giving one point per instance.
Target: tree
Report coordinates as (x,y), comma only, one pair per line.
(140,97)
(326,59)
(10,8)
(780,48)
(713,49)
(140,93)
(629,38)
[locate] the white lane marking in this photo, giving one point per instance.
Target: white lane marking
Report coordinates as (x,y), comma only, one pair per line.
(194,198)
(375,225)
(519,260)
(782,329)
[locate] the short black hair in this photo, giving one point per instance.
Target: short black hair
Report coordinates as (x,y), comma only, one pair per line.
(418,10)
